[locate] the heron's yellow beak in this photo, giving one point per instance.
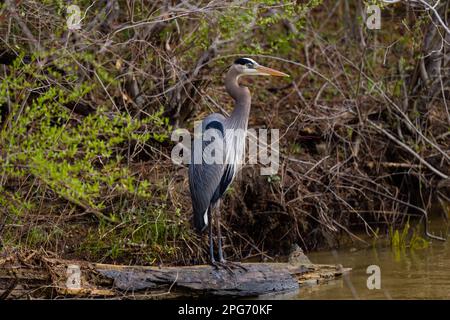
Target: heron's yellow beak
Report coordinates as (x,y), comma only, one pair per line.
(270,72)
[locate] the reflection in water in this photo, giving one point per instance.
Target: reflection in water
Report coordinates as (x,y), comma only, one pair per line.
(406,274)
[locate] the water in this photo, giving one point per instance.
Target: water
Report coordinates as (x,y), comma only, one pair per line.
(404,274)
(407,274)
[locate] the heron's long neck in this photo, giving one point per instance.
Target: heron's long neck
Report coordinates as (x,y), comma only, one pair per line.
(241,95)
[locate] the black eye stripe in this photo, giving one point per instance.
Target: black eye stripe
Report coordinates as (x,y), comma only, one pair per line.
(243,61)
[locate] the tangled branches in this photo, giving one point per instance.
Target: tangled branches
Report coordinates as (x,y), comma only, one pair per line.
(86,116)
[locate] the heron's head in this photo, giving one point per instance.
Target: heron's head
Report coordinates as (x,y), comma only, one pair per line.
(249,67)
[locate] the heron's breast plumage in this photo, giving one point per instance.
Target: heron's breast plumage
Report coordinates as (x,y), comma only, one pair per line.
(235,148)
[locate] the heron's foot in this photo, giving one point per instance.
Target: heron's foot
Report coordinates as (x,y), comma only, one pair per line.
(218,265)
(234,265)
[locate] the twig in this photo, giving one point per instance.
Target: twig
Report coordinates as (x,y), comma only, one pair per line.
(407,148)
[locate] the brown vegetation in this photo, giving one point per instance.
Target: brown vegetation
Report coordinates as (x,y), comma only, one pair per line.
(364,124)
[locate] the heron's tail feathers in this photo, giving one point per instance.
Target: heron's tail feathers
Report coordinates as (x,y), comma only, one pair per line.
(201,220)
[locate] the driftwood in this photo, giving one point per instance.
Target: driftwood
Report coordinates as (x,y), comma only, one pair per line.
(53,278)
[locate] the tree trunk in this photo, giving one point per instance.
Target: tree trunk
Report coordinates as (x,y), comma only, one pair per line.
(22,277)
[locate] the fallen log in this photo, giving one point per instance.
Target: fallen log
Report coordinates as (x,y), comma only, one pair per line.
(55,278)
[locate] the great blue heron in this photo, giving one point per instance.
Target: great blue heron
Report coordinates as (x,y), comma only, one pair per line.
(209,181)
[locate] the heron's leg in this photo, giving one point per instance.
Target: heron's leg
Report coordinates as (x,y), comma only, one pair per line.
(210,234)
(222,261)
(219,233)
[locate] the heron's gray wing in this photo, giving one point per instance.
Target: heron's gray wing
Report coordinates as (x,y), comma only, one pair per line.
(205,178)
